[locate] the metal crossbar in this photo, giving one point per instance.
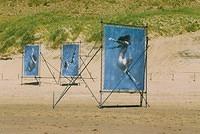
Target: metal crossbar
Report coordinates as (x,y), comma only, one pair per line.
(90,91)
(75,78)
(45,61)
(87,69)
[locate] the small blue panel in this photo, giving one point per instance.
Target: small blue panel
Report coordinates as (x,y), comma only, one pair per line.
(124,58)
(31,60)
(70,60)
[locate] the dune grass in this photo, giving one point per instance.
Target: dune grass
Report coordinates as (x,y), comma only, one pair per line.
(55,21)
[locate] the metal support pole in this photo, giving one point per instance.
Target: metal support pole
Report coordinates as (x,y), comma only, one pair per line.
(49,68)
(87,70)
(90,90)
(172,76)
(141,99)
(73,80)
(53,99)
(101,93)
(146,66)
(22,71)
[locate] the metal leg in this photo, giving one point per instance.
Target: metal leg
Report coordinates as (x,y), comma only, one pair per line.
(87,69)
(49,68)
(141,99)
(90,91)
(74,80)
(21,80)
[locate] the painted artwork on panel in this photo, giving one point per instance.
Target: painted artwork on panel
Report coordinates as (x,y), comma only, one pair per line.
(31,60)
(124,58)
(70,60)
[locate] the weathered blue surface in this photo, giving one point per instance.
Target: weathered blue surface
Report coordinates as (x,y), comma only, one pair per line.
(31,61)
(70,60)
(124,58)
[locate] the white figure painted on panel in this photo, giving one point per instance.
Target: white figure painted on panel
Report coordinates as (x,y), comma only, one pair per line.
(67,63)
(33,61)
(124,59)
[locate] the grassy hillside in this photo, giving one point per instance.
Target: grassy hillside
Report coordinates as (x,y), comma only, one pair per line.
(54,21)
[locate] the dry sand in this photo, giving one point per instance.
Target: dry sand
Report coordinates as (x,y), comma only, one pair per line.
(173,95)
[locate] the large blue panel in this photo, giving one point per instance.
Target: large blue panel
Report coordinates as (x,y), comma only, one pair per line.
(124,58)
(70,60)
(31,60)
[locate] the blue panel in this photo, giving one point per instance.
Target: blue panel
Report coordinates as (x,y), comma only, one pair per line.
(70,60)
(31,60)
(124,58)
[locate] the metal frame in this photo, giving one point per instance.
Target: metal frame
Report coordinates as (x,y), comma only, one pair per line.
(141,92)
(79,76)
(37,78)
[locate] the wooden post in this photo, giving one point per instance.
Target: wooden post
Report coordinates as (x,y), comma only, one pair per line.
(172,76)
(194,77)
(151,76)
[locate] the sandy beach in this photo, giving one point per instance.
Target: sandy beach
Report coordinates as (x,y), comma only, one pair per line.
(173,96)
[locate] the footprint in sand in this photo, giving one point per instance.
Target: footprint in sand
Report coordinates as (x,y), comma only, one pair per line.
(95,130)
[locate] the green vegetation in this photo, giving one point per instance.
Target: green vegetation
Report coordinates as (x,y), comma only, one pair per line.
(55,21)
